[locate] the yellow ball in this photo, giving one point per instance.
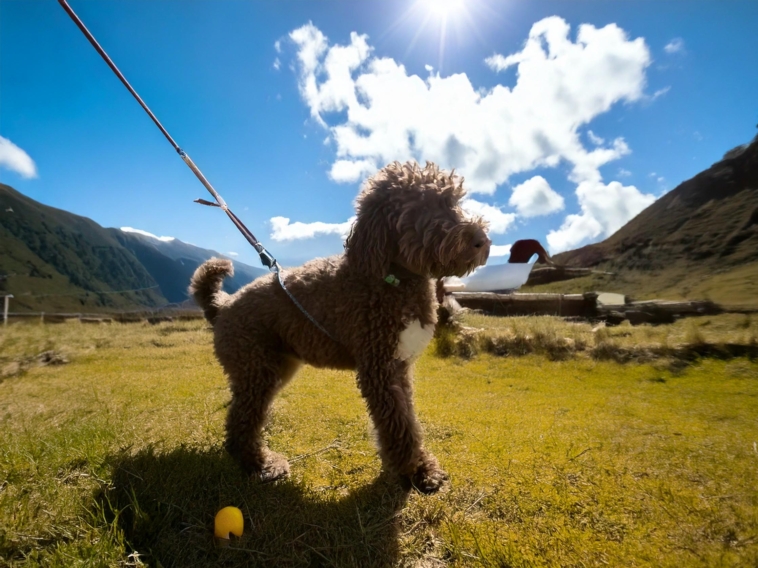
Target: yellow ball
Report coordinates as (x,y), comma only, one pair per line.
(229,520)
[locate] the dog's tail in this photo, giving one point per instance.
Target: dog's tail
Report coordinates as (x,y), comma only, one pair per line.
(205,285)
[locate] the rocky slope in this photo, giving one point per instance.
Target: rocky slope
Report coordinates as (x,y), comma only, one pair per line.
(700,240)
(711,218)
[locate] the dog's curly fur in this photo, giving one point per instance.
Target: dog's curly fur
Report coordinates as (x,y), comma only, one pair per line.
(409,224)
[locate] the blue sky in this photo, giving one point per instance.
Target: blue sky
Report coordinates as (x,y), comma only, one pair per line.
(566,118)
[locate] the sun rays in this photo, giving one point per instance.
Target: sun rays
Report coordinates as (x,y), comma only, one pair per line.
(438,20)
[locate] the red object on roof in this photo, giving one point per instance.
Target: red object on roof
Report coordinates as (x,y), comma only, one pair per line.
(523,250)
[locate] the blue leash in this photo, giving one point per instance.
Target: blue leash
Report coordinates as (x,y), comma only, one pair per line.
(301,308)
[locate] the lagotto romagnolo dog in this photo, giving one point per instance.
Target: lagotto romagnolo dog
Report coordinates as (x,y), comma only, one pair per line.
(377,301)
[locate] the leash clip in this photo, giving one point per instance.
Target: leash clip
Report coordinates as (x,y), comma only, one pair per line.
(268,260)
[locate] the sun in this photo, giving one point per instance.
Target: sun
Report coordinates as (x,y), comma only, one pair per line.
(444,8)
(433,21)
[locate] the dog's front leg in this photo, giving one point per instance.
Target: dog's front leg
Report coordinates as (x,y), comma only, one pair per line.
(389,397)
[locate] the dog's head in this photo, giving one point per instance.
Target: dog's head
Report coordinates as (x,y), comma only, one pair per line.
(411,216)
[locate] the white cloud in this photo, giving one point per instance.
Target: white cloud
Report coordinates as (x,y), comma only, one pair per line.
(277,64)
(648,99)
(311,46)
(283,230)
(377,112)
(278,46)
(230,253)
(349,170)
(605,208)
(595,139)
(337,63)
(587,164)
(146,234)
(500,250)
(623,173)
(15,159)
(659,93)
(535,197)
(498,220)
(575,230)
(392,115)
(676,45)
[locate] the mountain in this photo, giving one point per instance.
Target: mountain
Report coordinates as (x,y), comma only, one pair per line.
(172,262)
(56,261)
(53,260)
(698,240)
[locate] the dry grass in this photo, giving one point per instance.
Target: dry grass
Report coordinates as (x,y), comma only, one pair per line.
(728,286)
(723,336)
(114,458)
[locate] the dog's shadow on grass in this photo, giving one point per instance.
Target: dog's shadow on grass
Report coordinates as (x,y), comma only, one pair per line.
(164,505)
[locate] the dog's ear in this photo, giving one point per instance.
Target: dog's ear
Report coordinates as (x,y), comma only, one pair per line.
(368,247)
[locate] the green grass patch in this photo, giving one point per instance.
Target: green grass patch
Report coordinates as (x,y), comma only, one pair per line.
(115,459)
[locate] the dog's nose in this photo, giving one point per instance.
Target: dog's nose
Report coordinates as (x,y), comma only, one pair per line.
(481,244)
(481,240)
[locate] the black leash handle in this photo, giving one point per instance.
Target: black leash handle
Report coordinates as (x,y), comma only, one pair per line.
(266,258)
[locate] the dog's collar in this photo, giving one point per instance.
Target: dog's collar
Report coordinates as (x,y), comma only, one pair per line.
(392,280)
(398,273)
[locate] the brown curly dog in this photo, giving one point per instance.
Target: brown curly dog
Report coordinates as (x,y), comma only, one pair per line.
(377,302)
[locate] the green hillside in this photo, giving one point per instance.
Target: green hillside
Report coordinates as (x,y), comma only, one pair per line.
(700,240)
(55,261)
(172,263)
(52,260)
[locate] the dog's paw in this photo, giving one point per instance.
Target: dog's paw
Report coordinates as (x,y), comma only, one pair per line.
(275,466)
(429,477)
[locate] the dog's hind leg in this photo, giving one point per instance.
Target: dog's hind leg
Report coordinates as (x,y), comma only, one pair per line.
(253,389)
(389,397)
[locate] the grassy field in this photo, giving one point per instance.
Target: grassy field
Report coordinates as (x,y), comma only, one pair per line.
(735,286)
(722,337)
(110,453)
